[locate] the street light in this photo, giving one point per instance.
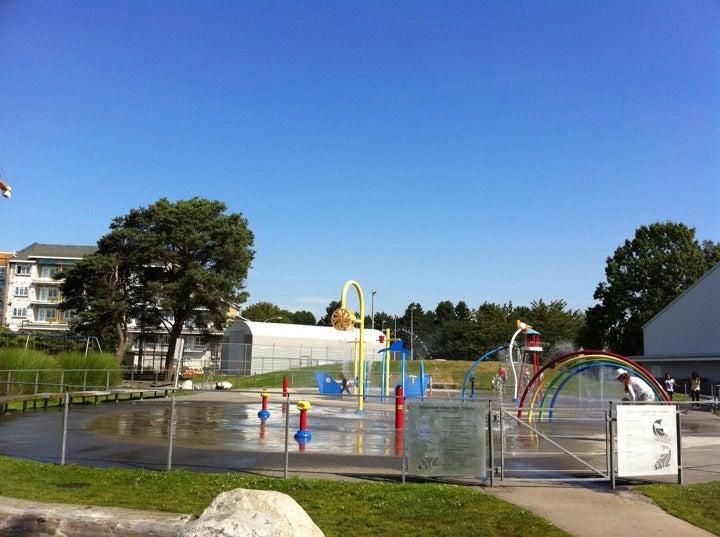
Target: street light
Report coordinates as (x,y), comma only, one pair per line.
(272,319)
(412,335)
(372,309)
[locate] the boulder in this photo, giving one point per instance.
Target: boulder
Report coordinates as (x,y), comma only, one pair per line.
(252,513)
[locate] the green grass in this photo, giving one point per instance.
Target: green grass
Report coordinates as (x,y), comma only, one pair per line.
(698,504)
(444,371)
(338,507)
(29,365)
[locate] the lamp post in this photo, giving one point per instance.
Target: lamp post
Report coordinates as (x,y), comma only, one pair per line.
(372,309)
(412,332)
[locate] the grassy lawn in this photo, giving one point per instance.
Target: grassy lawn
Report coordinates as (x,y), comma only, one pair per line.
(445,371)
(698,504)
(338,507)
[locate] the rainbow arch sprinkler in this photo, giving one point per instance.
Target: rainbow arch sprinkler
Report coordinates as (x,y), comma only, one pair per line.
(543,389)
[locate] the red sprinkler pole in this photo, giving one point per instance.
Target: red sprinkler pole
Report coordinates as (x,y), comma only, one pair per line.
(264,412)
(399,413)
(303,435)
(285,386)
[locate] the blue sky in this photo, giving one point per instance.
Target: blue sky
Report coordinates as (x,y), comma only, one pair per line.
(431,150)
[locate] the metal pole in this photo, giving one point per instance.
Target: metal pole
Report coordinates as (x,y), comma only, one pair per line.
(37,380)
(7,386)
(679,447)
(412,334)
(287,434)
(63,440)
(85,381)
(404,456)
(107,379)
(502,447)
(608,447)
(171,432)
(372,309)
(612,448)
(490,446)
(62,380)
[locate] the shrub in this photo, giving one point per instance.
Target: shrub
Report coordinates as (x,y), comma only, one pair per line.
(27,366)
(27,362)
(97,365)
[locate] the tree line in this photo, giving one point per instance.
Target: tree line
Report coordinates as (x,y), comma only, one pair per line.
(173,263)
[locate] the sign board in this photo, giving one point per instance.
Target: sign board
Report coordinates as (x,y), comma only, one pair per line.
(646,440)
(446,438)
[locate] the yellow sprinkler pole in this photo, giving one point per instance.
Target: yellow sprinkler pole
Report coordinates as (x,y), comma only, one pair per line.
(387,363)
(355,359)
(361,343)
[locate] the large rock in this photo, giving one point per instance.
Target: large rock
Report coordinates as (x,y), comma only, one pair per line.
(252,513)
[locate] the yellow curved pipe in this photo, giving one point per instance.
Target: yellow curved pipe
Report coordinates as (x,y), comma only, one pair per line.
(361,343)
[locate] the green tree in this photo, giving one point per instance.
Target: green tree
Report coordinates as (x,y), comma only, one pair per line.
(558,325)
(462,312)
(644,275)
(105,292)
(303,317)
(267,311)
(189,257)
(325,319)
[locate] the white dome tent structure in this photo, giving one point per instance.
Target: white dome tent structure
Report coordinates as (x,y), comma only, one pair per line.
(251,347)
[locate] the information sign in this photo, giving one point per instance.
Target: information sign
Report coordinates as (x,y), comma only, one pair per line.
(646,440)
(446,438)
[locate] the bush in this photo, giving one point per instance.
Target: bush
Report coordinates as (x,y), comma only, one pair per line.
(97,364)
(26,364)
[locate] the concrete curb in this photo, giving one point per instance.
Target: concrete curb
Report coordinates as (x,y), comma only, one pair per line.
(24,517)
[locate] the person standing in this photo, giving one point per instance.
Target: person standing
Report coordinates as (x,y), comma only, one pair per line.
(343,385)
(669,383)
(695,388)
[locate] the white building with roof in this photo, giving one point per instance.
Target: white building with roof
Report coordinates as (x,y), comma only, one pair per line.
(685,335)
(31,291)
(251,347)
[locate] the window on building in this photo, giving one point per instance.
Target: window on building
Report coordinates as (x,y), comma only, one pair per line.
(19,312)
(22,270)
(48,315)
(198,342)
(49,272)
(67,315)
(49,293)
(21,291)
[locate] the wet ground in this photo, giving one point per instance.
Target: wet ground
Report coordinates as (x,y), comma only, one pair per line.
(209,435)
(219,432)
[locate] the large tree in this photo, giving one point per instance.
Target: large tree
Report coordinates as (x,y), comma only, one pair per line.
(97,288)
(642,277)
(190,259)
(267,311)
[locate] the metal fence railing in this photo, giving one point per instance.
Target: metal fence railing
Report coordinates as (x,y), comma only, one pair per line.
(219,430)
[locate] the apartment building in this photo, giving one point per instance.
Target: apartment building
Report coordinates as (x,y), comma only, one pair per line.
(29,297)
(4,260)
(31,292)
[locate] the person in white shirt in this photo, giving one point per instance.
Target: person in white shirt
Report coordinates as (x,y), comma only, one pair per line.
(635,388)
(669,383)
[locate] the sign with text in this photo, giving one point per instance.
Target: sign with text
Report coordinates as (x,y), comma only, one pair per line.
(646,440)
(446,438)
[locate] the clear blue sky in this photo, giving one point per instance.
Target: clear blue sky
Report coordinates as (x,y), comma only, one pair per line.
(431,150)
